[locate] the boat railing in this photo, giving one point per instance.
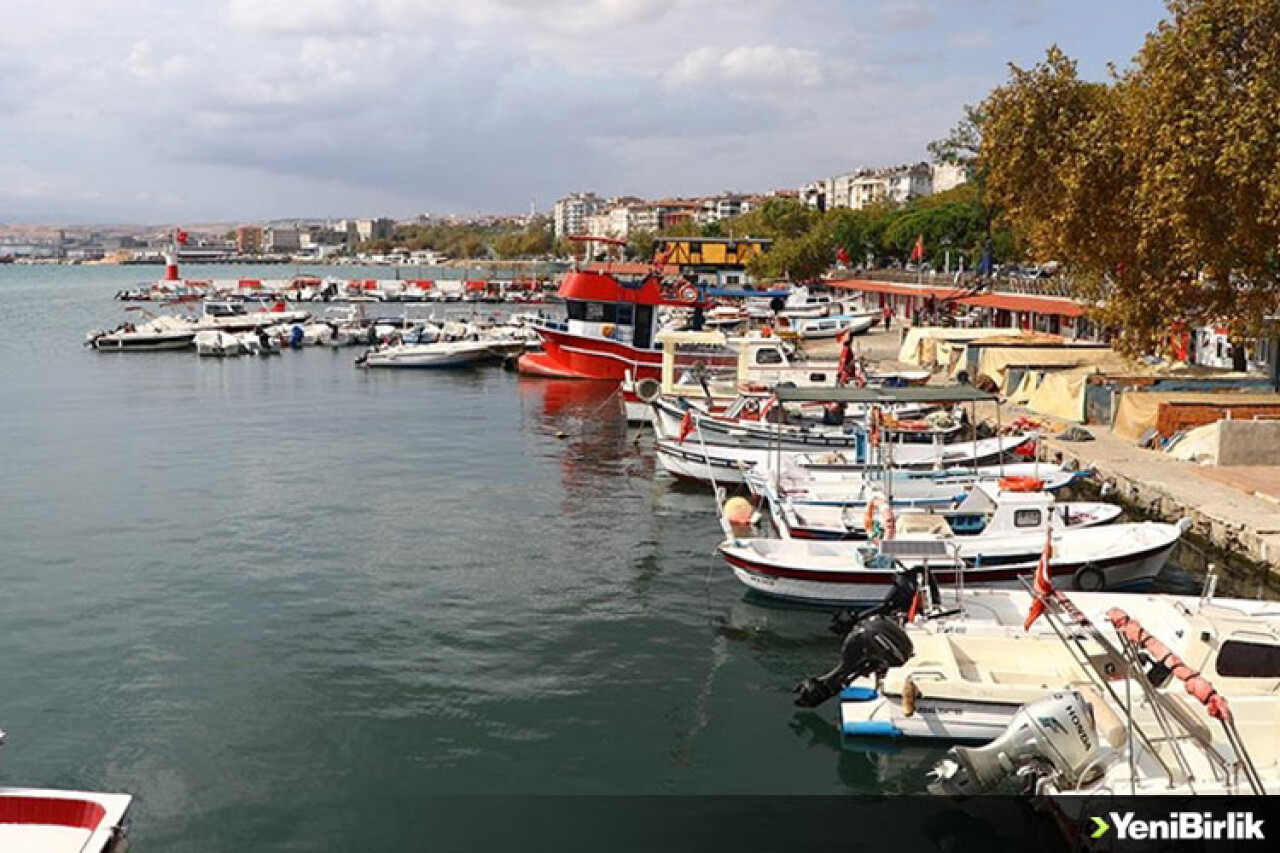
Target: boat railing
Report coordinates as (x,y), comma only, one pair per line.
(1122,660)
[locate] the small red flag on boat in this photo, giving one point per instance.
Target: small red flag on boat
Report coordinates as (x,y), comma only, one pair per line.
(917,253)
(181,237)
(1028,449)
(686,425)
(842,255)
(1043,583)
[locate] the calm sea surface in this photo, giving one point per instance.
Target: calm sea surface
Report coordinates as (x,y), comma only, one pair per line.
(284,600)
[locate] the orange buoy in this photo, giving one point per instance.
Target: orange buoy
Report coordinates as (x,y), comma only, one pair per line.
(1021,484)
(738,511)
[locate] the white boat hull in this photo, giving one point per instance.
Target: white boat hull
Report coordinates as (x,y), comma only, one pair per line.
(692,458)
(447,354)
(1124,556)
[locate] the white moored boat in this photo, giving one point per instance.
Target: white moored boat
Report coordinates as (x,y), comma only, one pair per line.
(439,354)
(165,332)
(821,328)
(34,820)
(211,342)
(1136,716)
(983,506)
(1117,556)
(38,820)
(974,667)
(694,459)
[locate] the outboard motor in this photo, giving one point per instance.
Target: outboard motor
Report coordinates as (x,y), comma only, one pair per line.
(1058,731)
(873,647)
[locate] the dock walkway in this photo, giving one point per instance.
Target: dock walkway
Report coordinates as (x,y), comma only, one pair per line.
(1236,509)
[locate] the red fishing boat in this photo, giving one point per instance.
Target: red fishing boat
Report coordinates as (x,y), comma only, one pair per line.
(611,322)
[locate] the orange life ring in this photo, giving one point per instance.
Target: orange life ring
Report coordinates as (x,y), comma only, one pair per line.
(1021,484)
(687,293)
(886,515)
(869,517)
(607,330)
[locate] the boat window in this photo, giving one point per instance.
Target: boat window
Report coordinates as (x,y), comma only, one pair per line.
(768,356)
(1026,518)
(1239,659)
(626,315)
(594,312)
(817,378)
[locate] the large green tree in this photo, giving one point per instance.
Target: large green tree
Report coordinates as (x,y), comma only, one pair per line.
(1160,189)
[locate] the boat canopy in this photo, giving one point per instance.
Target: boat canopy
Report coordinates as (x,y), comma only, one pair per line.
(676,338)
(911,394)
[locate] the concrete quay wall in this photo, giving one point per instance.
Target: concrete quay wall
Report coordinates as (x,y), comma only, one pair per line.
(1243,525)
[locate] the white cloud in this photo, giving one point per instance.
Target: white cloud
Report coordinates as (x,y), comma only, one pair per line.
(301,17)
(762,67)
(142,63)
(290,107)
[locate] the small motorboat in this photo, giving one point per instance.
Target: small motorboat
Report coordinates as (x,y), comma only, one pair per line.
(165,332)
(235,316)
(983,506)
(696,459)
(439,354)
(219,344)
(756,420)
(850,574)
(38,820)
(822,328)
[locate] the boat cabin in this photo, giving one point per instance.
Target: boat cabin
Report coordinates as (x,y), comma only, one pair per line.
(602,305)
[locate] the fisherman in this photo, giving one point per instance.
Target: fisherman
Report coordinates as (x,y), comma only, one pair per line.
(833,414)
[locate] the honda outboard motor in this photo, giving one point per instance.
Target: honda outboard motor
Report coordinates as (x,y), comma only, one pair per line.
(1058,731)
(873,647)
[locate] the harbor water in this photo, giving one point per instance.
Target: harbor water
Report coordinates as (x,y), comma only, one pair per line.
(283,600)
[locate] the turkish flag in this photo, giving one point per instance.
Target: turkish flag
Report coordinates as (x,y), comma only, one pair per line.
(1043,583)
(842,255)
(917,253)
(181,237)
(686,426)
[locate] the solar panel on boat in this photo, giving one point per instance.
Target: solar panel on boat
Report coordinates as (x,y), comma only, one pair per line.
(916,548)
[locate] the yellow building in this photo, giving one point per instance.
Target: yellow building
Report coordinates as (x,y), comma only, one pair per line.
(710,253)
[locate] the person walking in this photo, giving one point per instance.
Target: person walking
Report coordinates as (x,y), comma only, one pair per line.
(888,317)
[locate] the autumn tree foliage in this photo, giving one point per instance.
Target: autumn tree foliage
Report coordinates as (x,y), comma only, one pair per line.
(1159,189)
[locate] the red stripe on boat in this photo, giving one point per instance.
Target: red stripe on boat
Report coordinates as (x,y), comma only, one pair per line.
(51,811)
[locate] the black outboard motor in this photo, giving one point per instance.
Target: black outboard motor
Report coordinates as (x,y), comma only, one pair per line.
(897,602)
(874,646)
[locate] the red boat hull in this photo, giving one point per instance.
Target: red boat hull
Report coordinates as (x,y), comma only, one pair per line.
(566,356)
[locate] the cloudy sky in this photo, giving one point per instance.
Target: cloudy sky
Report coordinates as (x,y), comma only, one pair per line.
(167,110)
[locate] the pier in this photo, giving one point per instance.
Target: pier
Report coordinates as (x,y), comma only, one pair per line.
(1235,509)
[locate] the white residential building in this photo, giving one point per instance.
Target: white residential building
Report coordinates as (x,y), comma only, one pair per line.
(282,239)
(570,213)
(818,194)
(948,176)
(721,207)
(865,187)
